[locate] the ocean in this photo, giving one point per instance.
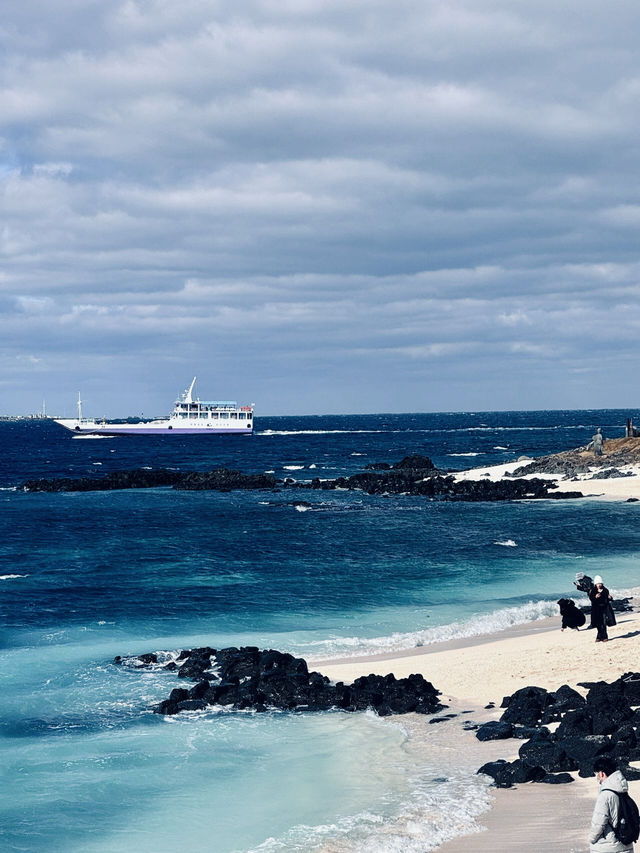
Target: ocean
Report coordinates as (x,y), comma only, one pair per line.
(86,765)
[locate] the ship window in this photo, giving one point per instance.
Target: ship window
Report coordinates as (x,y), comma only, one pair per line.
(214,414)
(234,415)
(224,415)
(242,416)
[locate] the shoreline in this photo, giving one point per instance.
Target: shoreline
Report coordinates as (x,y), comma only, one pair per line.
(621,488)
(474,672)
(484,669)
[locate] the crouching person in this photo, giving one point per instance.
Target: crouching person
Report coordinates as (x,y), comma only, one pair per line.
(572,617)
(608,810)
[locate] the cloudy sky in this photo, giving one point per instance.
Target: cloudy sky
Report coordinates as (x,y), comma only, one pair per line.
(319,205)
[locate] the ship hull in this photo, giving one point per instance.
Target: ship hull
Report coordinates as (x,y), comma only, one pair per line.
(160,428)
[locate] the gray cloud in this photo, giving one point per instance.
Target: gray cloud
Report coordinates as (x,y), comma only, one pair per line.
(319,206)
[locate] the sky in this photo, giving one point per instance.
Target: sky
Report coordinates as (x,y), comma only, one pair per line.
(319,206)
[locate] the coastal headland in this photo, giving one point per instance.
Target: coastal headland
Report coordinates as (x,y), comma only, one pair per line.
(615,475)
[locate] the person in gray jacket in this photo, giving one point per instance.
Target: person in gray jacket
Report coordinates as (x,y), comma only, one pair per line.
(605,814)
(597,443)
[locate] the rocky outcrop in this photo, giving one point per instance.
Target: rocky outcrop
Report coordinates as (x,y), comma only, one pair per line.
(413,475)
(261,680)
(221,479)
(605,722)
(444,487)
(617,453)
(610,474)
(139,478)
(414,462)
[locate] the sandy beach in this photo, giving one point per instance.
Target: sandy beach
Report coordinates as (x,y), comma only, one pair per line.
(474,673)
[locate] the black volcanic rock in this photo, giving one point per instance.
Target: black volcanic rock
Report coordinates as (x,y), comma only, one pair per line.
(495,730)
(221,479)
(605,723)
(443,487)
(224,480)
(631,683)
(415,462)
(413,475)
(506,774)
(544,751)
(556,778)
(526,706)
(135,479)
(562,700)
(248,677)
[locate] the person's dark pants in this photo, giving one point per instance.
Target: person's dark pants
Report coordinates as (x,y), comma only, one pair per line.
(601,623)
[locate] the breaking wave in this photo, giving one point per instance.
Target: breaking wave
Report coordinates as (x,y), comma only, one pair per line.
(482,624)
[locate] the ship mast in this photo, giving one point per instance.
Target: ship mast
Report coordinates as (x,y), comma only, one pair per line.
(79,408)
(187,394)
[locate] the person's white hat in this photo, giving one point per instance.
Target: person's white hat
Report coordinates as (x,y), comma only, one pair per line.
(597,579)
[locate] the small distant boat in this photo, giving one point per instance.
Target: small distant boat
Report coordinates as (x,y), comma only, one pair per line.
(189,417)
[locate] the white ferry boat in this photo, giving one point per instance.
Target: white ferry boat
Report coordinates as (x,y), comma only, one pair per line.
(189,417)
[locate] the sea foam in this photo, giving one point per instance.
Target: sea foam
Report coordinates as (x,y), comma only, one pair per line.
(416,818)
(482,624)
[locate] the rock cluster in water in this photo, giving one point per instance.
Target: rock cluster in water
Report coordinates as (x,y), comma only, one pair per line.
(445,487)
(606,722)
(221,479)
(413,475)
(260,680)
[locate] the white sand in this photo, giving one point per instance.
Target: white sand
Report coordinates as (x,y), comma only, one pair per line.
(475,672)
(616,488)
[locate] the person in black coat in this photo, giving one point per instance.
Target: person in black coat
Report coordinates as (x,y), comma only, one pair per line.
(572,616)
(600,598)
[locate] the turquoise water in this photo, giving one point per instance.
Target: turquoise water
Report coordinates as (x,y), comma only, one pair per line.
(84,577)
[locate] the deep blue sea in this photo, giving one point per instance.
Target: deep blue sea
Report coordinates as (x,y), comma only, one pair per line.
(86,766)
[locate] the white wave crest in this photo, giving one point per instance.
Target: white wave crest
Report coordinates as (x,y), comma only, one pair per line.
(482,624)
(465,454)
(270,432)
(85,437)
(11,577)
(508,543)
(293,467)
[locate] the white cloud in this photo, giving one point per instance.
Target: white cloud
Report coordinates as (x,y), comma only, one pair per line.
(371,186)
